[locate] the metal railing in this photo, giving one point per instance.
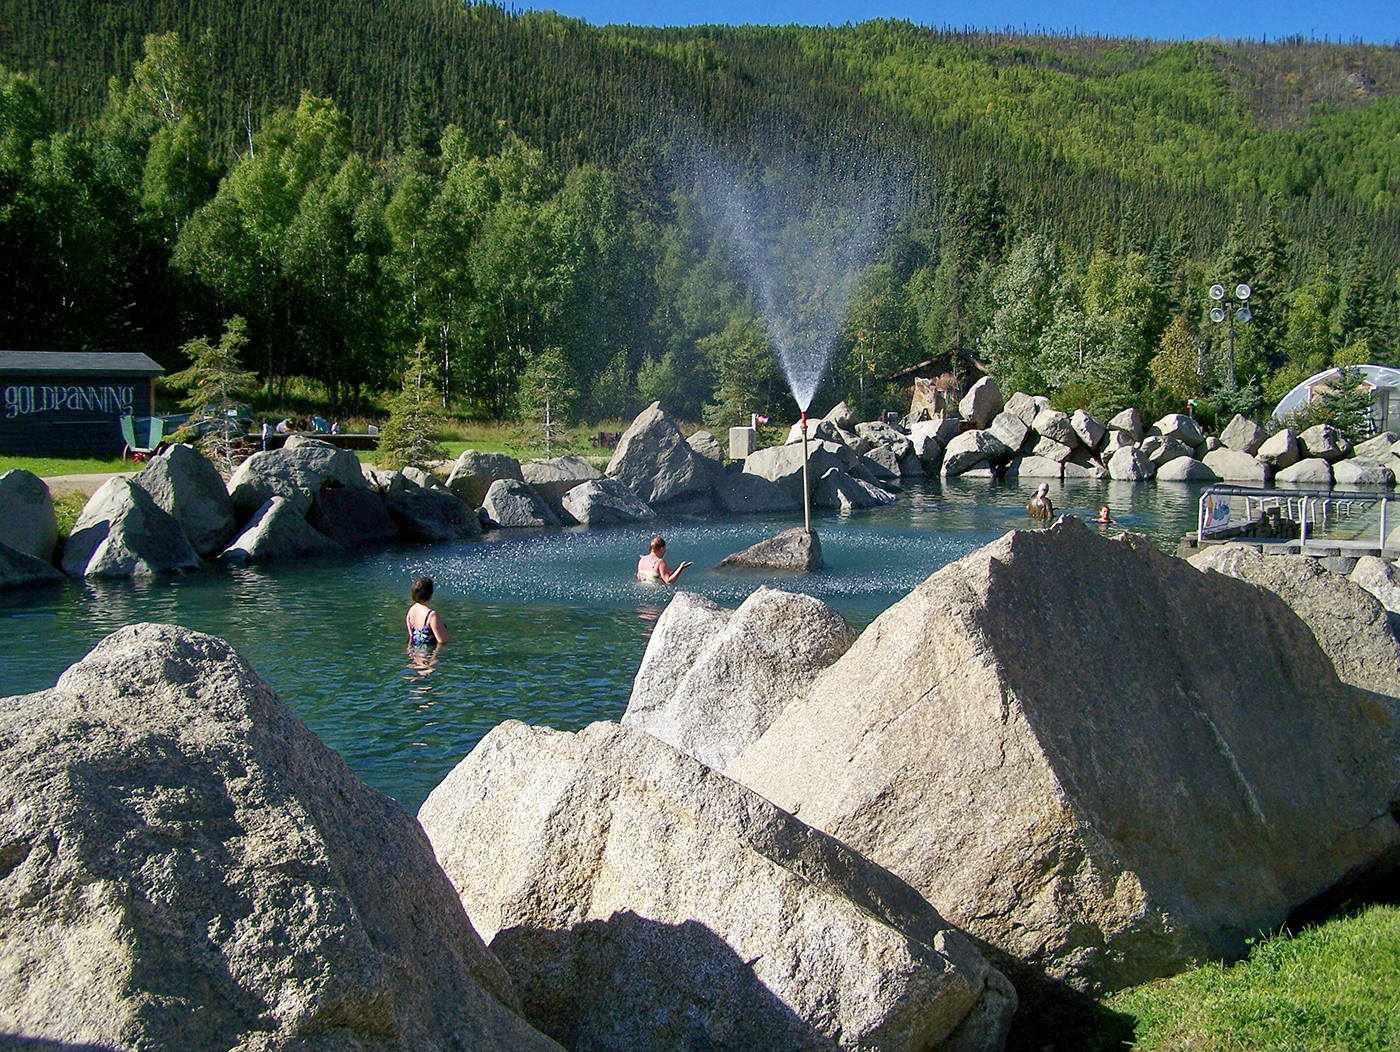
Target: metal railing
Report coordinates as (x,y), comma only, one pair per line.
(1314,511)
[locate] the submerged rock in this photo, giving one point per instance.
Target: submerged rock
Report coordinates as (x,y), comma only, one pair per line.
(745,673)
(188,867)
(1091,755)
(642,901)
(794,549)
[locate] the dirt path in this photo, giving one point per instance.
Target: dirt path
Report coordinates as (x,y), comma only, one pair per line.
(84,484)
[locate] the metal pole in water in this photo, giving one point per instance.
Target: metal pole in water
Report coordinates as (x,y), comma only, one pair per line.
(806,488)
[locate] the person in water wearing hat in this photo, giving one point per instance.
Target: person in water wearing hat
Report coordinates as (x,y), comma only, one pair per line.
(652,566)
(1040,506)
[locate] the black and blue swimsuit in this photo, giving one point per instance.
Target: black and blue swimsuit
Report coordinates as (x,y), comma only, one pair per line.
(424,637)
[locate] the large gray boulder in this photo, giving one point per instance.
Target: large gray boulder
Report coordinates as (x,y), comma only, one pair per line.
(1185,469)
(122,532)
(1010,430)
(1023,405)
(982,402)
(1130,464)
(1112,443)
(1362,473)
(783,464)
(642,901)
(1279,450)
(185,484)
(842,416)
(1167,450)
(278,531)
(1034,467)
(552,478)
(844,492)
(353,518)
(1311,472)
(1378,577)
(766,653)
(1378,448)
(1052,450)
(749,493)
(1083,465)
(654,461)
(797,549)
(880,433)
(297,471)
(1324,441)
(1243,435)
(882,463)
(1180,427)
(969,450)
(1104,820)
(27,520)
(1233,466)
(22,570)
(1348,622)
(431,514)
(927,448)
(1055,425)
(511,504)
(1089,428)
(1129,421)
(188,867)
(606,502)
(707,446)
(685,628)
(474,472)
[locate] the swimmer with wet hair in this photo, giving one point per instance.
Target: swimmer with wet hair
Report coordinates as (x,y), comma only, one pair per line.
(1040,506)
(425,625)
(652,566)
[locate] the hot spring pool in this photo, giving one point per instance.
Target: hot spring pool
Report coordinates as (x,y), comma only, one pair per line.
(548,627)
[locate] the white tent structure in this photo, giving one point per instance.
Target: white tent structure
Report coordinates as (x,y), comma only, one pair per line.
(1383,381)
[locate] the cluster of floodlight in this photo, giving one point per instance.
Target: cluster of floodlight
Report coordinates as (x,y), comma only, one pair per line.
(1242,311)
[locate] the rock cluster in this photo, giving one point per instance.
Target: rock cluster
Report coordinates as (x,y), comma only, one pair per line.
(1026,438)
(186,866)
(1092,756)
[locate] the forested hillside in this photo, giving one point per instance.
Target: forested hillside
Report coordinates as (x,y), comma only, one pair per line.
(536,198)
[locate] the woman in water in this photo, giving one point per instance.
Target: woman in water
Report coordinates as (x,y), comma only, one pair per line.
(425,627)
(652,566)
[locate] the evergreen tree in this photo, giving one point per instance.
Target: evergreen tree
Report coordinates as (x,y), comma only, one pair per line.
(410,435)
(215,386)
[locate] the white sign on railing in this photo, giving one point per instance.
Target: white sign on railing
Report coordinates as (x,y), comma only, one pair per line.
(1215,513)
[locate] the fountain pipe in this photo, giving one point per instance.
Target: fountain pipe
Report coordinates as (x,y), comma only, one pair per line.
(806,486)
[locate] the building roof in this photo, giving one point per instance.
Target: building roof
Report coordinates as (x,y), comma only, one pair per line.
(78,363)
(1377,376)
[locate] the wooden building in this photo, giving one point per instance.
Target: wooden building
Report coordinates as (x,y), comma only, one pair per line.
(61,403)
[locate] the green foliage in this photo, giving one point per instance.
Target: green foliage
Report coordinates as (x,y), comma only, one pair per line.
(215,386)
(1333,987)
(1344,402)
(1174,366)
(749,380)
(410,436)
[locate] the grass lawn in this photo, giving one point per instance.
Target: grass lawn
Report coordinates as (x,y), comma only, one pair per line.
(1332,988)
(47,467)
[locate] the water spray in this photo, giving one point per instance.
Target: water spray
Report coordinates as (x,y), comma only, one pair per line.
(806,486)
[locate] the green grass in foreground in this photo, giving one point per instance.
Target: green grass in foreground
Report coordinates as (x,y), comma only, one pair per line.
(1331,988)
(48,467)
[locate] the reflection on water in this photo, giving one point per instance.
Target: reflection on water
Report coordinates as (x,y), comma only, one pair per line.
(549,627)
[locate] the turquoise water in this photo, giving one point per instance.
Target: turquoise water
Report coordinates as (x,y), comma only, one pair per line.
(548,627)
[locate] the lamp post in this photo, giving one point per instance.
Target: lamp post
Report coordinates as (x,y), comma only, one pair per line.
(1228,310)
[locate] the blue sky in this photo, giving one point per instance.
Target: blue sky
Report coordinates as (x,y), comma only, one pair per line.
(1376,21)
